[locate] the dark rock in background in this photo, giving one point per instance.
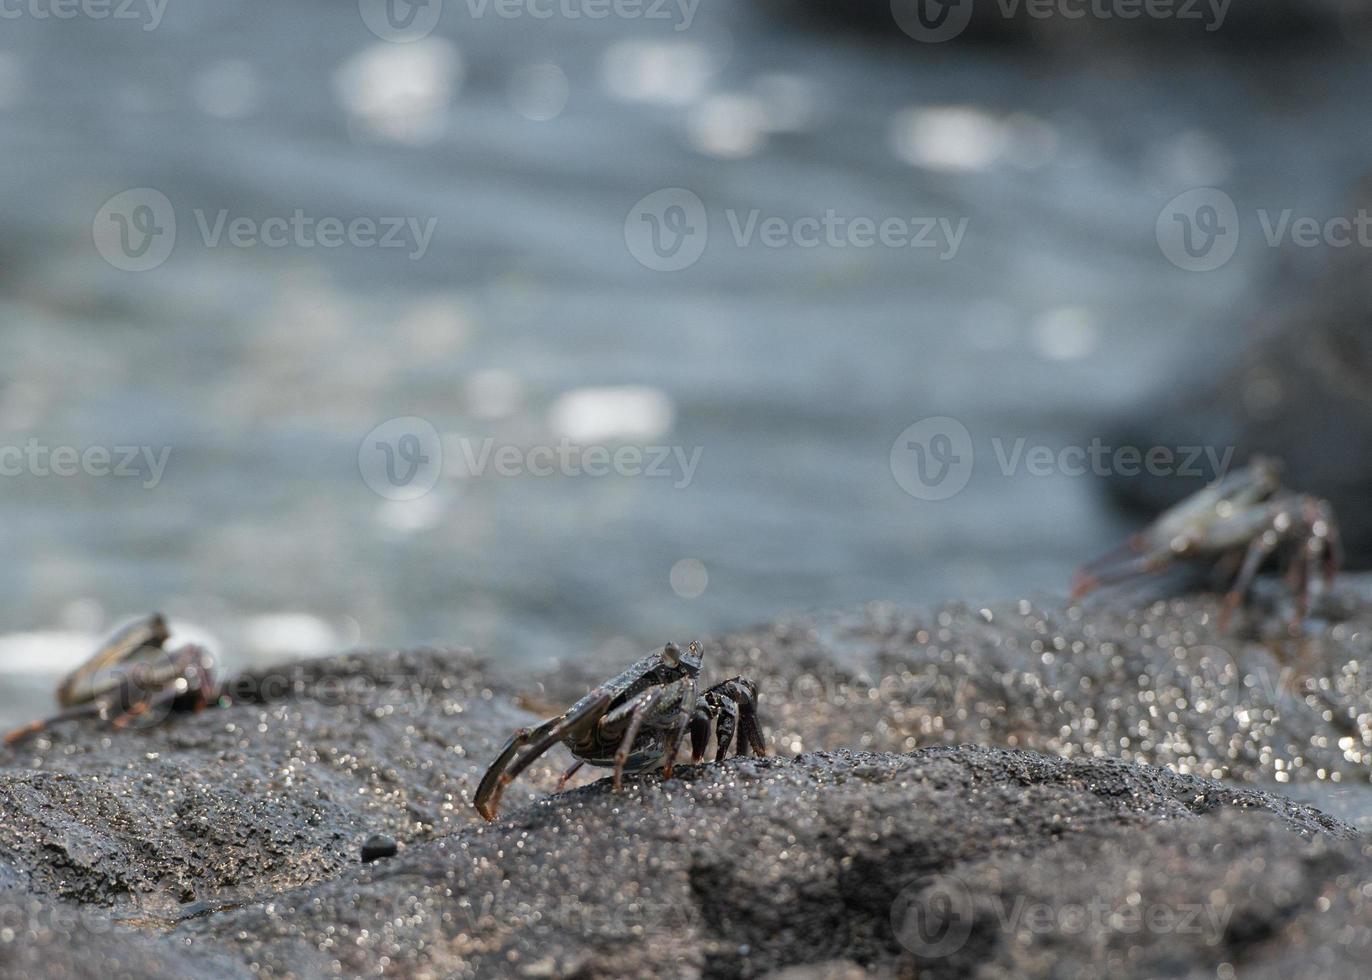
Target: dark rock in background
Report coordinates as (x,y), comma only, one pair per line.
(1302,393)
(225,843)
(1011,21)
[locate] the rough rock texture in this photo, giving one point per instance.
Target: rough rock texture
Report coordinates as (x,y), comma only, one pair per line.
(763,864)
(1155,683)
(228,843)
(251,799)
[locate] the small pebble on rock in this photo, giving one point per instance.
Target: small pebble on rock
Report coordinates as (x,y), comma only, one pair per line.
(378,846)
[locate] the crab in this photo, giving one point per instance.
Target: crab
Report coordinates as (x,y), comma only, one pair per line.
(131,675)
(1239,521)
(634,723)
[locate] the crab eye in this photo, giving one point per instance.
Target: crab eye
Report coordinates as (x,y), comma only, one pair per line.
(671,654)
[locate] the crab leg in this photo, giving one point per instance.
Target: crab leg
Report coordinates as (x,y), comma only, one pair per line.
(684,713)
(1324,530)
(1087,577)
(544,737)
(743,693)
(732,706)
(1092,577)
(667,704)
(1333,554)
(571,771)
(1320,555)
(79,711)
(725,725)
(1258,552)
(1305,567)
(751,730)
(637,712)
(196,660)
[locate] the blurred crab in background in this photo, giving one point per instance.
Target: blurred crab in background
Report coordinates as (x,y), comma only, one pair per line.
(131,676)
(635,722)
(1237,522)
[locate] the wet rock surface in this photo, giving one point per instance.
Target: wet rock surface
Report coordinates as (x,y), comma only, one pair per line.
(227,843)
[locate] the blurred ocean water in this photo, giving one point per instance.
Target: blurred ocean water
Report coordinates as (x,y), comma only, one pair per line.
(526,308)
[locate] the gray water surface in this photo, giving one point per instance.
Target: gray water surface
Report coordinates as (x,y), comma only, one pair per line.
(261,371)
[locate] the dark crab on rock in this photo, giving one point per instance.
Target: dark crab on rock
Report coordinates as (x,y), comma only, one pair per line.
(132,678)
(1237,522)
(635,723)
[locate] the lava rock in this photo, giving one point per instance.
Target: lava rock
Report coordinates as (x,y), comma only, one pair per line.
(273,791)
(225,843)
(763,864)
